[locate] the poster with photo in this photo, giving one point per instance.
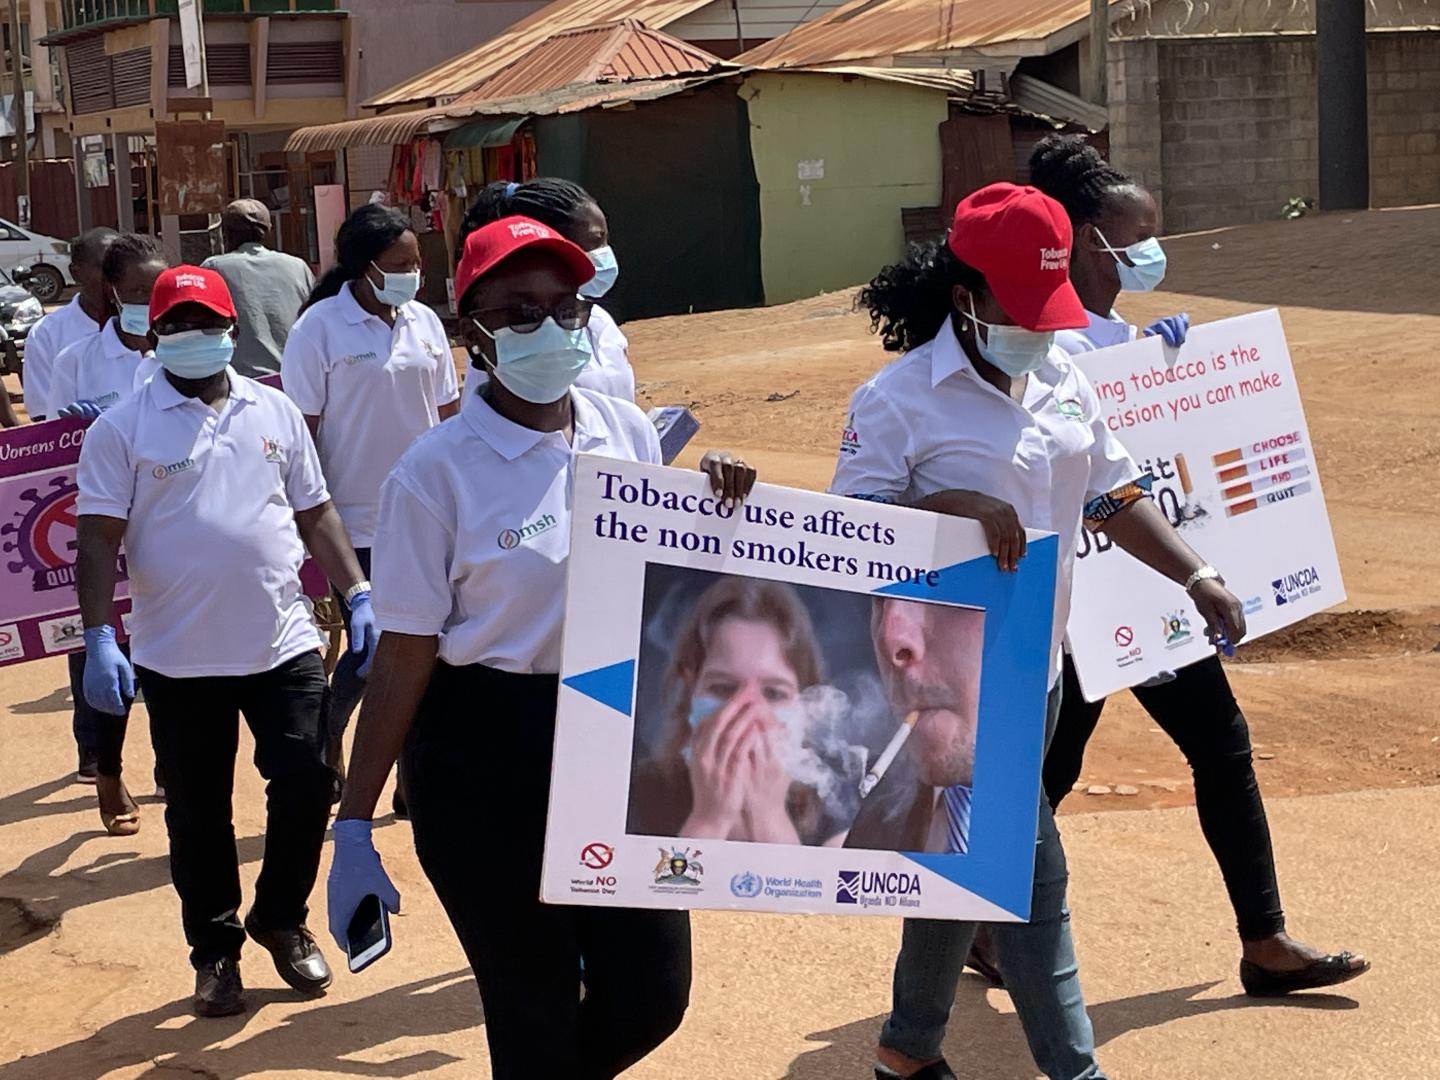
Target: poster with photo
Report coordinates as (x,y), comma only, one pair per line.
(1220,425)
(803,704)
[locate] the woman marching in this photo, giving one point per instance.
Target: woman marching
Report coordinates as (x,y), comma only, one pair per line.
(984,418)
(370,368)
(571,211)
(1115,222)
(467,675)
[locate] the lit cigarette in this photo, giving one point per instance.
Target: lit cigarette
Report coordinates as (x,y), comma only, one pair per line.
(887,756)
(1184,471)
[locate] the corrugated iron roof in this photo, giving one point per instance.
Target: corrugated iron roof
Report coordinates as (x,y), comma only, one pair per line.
(448,80)
(403,127)
(870,29)
(608,52)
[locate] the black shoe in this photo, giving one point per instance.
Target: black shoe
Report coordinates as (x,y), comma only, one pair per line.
(1316,975)
(937,1070)
(218,990)
(298,960)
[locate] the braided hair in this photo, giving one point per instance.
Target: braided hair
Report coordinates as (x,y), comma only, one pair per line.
(1073,173)
(909,301)
(547,199)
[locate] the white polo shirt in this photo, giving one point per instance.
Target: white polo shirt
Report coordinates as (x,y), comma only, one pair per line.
(99,368)
(928,422)
(374,387)
(1102,332)
(609,370)
(474,531)
(212,549)
(48,338)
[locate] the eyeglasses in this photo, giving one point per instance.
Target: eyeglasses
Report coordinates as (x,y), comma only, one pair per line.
(179,327)
(527,318)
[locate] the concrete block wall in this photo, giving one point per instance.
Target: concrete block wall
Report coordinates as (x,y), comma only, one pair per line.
(1225,130)
(1404,75)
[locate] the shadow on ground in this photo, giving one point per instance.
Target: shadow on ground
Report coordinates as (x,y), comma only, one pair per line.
(983,1043)
(318,1038)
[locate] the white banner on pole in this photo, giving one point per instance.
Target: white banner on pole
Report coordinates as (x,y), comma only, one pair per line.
(191,43)
(882,685)
(1220,425)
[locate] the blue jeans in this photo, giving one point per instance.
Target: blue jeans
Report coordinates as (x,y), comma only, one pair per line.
(346,685)
(1037,959)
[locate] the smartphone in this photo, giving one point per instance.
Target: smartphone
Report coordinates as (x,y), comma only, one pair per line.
(367,938)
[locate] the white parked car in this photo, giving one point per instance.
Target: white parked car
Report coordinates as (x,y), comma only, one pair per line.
(47,259)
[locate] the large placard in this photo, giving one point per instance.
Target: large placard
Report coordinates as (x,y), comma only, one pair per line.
(801,704)
(1220,425)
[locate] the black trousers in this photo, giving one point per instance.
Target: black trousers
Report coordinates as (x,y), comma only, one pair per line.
(195,729)
(1198,711)
(98,736)
(477,772)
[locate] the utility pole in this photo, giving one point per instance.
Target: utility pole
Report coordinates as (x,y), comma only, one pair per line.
(22,120)
(1099,46)
(1344,105)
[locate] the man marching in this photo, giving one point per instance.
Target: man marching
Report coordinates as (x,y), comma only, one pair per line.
(213,484)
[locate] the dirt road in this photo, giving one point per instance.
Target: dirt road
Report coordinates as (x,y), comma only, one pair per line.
(92,963)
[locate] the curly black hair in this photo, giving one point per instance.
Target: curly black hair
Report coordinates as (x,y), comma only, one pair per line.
(910,300)
(1072,172)
(547,199)
(127,250)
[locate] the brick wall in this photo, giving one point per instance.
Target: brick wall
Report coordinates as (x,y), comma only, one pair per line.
(1229,131)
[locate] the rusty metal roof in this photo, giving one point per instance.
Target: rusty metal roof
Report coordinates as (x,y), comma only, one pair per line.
(871,29)
(402,127)
(445,82)
(608,52)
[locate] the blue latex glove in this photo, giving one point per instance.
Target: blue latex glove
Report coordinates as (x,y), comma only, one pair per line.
(109,680)
(355,873)
(86,409)
(363,632)
(1173,329)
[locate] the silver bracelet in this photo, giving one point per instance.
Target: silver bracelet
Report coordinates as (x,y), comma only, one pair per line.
(1205,573)
(355,590)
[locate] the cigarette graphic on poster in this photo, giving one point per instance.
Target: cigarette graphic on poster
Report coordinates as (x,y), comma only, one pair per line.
(1220,426)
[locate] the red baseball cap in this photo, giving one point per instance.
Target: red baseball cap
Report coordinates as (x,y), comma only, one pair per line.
(190,285)
(489,246)
(1019,238)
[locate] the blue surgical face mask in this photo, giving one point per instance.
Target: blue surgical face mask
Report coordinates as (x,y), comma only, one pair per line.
(1146,268)
(1013,349)
(541,366)
(134,318)
(194,354)
(607,269)
(399,289)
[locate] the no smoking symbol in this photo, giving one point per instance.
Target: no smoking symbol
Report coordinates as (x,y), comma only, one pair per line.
(597,856)
(1124,636)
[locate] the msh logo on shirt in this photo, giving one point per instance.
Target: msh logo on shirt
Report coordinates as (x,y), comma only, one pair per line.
(273,451)
(160,472)
(513,538)
(359,358)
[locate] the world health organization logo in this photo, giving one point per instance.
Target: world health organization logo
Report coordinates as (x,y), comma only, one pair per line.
(746,885)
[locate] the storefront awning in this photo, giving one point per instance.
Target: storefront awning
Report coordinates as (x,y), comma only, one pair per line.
(490,132)
(388,130)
